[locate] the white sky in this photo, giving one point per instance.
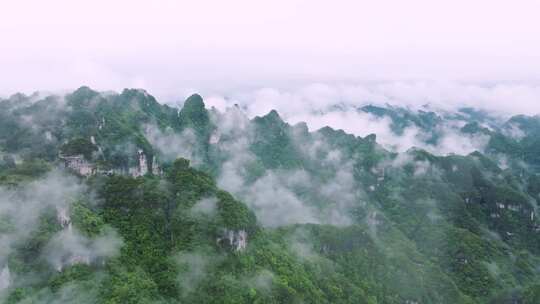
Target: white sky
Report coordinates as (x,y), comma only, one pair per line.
(169,47)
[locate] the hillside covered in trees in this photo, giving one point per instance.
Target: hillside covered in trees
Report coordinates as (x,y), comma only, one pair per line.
(116,198)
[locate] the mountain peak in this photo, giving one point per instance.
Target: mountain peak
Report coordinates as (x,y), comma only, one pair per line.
(273,114)
(82,96)
(132,93)
(194,101)
(270,119)
(84,90)
(194,114)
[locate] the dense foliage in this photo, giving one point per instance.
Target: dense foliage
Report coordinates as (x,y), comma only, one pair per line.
(383,227)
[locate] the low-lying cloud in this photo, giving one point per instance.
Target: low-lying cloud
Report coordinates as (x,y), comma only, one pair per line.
(21,215)
(172,145)
(276,195)
(69,246)
(501,98)
(337,106)
(21,208)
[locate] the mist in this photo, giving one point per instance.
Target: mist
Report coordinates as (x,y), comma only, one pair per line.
(173,48)
(23,212)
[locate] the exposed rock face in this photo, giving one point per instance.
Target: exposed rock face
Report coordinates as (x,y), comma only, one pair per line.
(373,219)
(78,164)
(5,278)
(236,239)
(72,259)
(62,215)
(102,123)
(111,172)
(142,166)
(64,219)
(78,259)
(75,255)
(85,168)
(156,170)
(134,171)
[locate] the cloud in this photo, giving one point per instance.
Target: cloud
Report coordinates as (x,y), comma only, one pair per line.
(300,243)
(270,194)
(21,208)
(514,131)
(278,196)
(69,247)
(275,204)
(205,207)
(194,267)
(21,212)
(295,101)
(456,142)
(172,145)
(262,280)
(336,105)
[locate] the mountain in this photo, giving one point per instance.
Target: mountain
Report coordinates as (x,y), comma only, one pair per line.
(116,198)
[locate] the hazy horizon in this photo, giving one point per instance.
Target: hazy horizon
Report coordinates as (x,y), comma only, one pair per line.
(172,48)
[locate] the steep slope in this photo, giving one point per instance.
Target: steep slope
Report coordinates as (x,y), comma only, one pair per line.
(265,212)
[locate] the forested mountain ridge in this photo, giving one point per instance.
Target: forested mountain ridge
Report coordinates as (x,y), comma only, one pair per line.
(116,198)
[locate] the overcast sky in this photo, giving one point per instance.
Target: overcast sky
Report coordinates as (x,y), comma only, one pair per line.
(171,47)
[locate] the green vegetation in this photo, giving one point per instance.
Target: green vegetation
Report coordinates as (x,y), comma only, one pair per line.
(382,227)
